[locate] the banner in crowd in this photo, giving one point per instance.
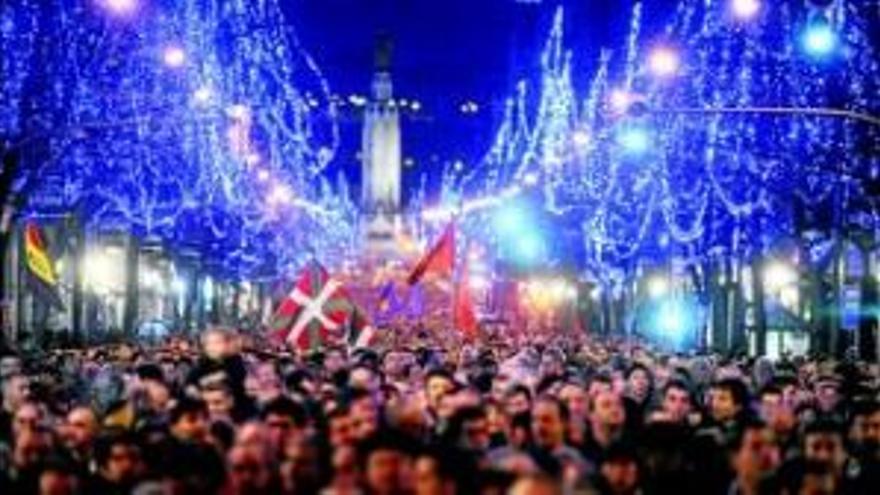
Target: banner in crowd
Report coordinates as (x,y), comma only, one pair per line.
(41,268)
(319,311)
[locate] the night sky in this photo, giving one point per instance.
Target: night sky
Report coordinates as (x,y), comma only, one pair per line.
(448,52)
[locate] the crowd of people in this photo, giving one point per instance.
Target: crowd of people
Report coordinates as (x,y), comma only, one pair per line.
(229,415)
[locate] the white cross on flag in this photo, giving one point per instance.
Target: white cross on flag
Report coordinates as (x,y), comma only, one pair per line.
(317,311)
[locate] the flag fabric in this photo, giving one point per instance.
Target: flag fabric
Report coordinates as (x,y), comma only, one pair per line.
(317,311)
(440,260)
(465,316)
(359,332)
(41,268)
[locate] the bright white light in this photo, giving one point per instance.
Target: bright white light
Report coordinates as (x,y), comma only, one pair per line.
(745,9)
(581,139)
(239,112)
(658,287)
(280,194)
(262,175)
(820,39)
(596,293)
(103,270)
(174,57)
(208,290)
(671,319)
(634,140)
(120,6)
(478,282)
(621,100)
(179,286)
(252,159)
(415,106)
(530,179)
(664,62)
(203,94)
(559,289)
(779,275)
(151,279)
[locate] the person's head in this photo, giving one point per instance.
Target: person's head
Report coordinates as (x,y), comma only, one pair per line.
(677,403)
(364,377)
(80,429)
(865,428)
(365,414)
(32,446)
(189,420)
(824,443)
(535,485)
(334,360)
(219,400)
(437,473)
(754,453)
(284,418)
(549,422)
(59,478)
(387,463)
(727,399)
(473,428)
(639,382)
(771,401)
(518,400)
(28,416)
(809,478)
(248,470)
(119,458)
(152,379)
(620,469)
(16,391)
(601,382)
(438,382)
(301,467)
(607,413)
(216,343)
(340,428)
(827,394)
(10,364)
(575,397)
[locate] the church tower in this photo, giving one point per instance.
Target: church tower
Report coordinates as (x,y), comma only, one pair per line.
(381,159)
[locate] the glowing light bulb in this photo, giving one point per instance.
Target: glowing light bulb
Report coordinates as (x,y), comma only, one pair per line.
(820,39)
(174,57)
(122,7)
(664,62)
(745,9)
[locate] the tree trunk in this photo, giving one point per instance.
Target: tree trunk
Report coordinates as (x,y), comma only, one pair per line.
(867,332)
(759,308)
(77,296)
(130,308)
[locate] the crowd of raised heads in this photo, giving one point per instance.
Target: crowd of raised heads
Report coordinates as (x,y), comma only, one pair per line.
(227,415)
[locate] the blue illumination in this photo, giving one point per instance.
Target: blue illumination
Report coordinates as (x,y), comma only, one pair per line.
(511,219)
(820,39)
(634,140)
(529,248)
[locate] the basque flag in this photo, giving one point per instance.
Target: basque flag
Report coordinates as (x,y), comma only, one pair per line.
(318,311)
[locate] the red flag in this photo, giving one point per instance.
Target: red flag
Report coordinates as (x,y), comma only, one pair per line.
(465,316)
(439,260)
(315,312)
